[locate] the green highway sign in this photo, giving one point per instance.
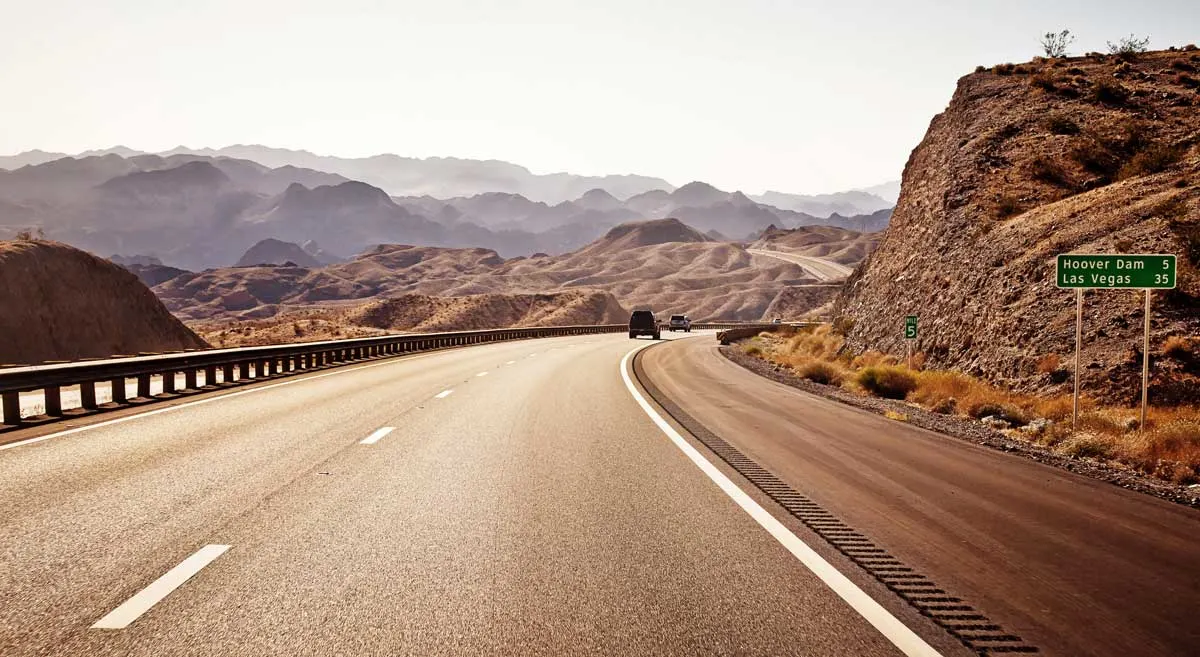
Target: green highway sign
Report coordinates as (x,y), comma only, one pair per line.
(1140,271)
(910,327)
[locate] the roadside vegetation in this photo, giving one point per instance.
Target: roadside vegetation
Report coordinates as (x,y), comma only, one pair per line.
(1169,448)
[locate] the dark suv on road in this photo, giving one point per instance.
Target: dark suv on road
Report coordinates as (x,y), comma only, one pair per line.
(643,322)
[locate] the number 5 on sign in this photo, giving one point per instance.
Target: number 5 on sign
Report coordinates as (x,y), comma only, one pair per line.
(910,327)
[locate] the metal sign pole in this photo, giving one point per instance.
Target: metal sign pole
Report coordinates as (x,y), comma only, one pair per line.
(1145,363)
(1078,342)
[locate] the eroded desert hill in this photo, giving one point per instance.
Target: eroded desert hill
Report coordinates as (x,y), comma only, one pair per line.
(841,245)
(422,313)
(663,264)
(1086,155)
(60,303)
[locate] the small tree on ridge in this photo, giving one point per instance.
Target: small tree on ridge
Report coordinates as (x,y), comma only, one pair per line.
(1054,45)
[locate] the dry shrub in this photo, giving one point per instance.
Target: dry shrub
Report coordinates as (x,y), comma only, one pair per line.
(1178,347)
(1187,81)
(916,362)
(981,407)
(935,388)
(872,358)
(1154,159)
(1087,445)
(1005,69)
(887,381)
(1050,172)
(893,415)
(821,343)
(1045,80)
(1170,447)
(752,350)
(822,372)
(1183,65)
(1048,364)
(1110,92)
(1059,124)
(1007,206)
(1055,408)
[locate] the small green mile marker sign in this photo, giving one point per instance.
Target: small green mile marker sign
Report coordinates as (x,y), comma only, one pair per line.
(910,327)
(1115,271)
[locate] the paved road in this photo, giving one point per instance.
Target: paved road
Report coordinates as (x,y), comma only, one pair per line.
(523,502)
(1073,565)
(822,268)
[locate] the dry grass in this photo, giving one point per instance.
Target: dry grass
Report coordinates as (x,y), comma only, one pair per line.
(822,372)
(887,381)
(1178,347)
(1168,447)
(1048,364)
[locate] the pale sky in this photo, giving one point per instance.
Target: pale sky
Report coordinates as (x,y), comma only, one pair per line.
(795,96)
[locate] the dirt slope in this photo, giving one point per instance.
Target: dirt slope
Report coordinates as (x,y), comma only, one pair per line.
(60,303)
(1084,155)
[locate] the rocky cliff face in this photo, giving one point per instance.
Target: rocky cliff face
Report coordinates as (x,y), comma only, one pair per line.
(1089,155)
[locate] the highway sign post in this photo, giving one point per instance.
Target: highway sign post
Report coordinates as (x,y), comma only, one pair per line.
(910,334)
(910,327)
(1083,271)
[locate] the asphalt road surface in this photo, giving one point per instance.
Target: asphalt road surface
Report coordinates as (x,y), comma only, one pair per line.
(822,268)
(1073,565)
(513,498)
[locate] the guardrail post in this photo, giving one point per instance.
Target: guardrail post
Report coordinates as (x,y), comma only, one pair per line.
(271,367)
(143,385)
(243,370)
(87,395)
(12,408)
(53,396)
(117,387)
(168,379)
(210,375)
(189,379)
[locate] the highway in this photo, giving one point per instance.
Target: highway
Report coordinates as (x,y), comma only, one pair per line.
(512,498)
(530,498)
(822,268)
(1072,565)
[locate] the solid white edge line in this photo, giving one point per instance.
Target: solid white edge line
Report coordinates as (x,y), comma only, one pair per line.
(374,438)
(160,588)
(897,632)
(444,394)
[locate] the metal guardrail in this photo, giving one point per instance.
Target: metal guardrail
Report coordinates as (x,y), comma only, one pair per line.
(225,367)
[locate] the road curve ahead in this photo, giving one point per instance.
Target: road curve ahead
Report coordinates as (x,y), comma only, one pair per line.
(1070,564)
(512,498)
(824,269)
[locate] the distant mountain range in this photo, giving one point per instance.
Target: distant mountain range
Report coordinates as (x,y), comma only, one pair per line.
(448,177)
(199,211)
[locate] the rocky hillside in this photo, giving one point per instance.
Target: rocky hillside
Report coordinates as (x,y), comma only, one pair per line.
(60,303)
(1096,154)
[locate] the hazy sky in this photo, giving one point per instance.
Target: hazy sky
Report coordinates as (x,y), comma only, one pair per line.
(750,94)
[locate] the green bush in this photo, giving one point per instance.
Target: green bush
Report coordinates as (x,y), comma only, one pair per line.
(887,381)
